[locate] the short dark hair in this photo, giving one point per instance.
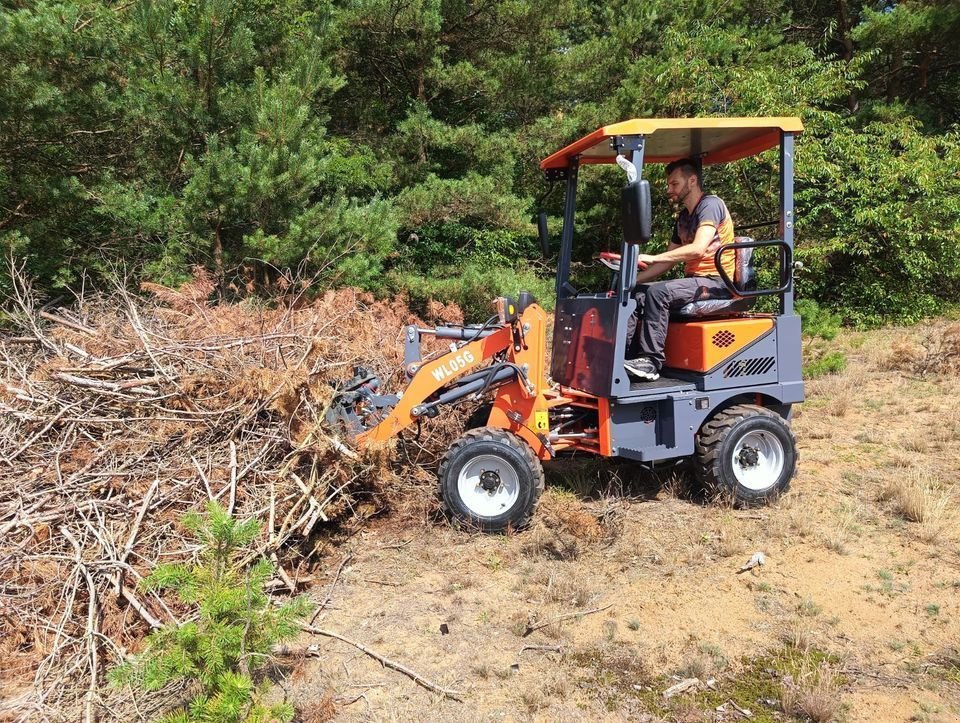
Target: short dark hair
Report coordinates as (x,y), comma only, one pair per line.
(688,167)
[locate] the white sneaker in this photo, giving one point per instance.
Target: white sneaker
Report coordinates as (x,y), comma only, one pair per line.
(642,368)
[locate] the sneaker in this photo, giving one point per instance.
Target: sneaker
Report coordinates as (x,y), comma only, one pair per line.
(642,368)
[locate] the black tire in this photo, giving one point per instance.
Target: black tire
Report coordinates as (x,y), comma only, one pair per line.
(494,457)
(746,453)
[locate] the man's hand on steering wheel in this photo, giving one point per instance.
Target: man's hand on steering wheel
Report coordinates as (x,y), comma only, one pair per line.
(644,260)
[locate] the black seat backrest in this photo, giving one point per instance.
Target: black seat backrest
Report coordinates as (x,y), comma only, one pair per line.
(745,275)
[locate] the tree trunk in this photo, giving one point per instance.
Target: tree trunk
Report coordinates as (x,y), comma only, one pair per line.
(422,97)
(893,84)
(843,10)
(218,254)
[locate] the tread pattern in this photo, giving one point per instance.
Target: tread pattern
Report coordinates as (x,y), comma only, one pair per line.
(502,436)
(709,442)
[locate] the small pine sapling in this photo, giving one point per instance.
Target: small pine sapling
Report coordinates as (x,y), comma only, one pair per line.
(230,635)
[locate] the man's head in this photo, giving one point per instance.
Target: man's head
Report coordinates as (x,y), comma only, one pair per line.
(683,179)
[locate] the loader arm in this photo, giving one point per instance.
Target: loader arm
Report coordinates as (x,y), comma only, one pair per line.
(520,381)
(433,376)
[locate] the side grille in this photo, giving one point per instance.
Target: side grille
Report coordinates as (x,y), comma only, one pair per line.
(648,414)
(749,367)
(723,339)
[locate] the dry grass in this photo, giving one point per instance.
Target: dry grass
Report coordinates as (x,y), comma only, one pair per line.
(794,518)
(927,351)
(839,391)
(570,589)
(903,460)
(799,637)
(729,539)
(562,528)
(901,355)
(838,535)
(917,496)
(813,694)
(918,444)
(946,432)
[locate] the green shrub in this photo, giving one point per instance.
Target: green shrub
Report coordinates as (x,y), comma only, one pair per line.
(443,244)
(818,321)
(832,362)
(231,634)
(473,287)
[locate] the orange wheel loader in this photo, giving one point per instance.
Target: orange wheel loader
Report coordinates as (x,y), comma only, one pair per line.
(727,388)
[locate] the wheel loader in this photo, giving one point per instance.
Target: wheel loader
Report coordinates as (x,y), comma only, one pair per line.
(729,382)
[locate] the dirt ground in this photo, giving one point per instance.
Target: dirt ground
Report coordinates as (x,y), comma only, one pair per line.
(627,584)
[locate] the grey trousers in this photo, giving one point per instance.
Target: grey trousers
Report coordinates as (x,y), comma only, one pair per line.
(655,302)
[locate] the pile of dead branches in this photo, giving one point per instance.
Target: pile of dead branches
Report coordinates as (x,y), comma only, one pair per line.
(118,413)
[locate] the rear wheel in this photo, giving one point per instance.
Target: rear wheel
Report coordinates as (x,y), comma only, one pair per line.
(747,452)
(491,480)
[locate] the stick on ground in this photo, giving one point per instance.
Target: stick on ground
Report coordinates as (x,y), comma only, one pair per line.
(565,616)
(419,679)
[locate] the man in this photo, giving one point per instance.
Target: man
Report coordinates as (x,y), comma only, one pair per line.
(702,226)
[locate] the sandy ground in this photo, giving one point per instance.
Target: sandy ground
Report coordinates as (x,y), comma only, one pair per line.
(855,616)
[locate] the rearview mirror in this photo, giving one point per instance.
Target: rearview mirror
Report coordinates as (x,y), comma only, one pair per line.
(543,233)
(636,212)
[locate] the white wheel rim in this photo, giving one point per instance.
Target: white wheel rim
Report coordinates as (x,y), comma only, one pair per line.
(483,502)
(757,460)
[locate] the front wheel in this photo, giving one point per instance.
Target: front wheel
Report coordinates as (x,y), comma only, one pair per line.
(746,452)
(491,480)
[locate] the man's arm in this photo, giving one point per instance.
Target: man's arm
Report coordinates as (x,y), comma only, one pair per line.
(655,269)
(677,253)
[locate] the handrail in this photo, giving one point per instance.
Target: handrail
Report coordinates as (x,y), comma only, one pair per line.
(786,264)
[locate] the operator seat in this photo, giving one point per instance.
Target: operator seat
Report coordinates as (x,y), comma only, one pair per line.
(744,277)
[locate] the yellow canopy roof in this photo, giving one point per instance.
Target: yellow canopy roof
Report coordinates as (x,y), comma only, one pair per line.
(715,140)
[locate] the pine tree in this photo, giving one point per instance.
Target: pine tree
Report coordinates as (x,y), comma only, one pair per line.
(231,634)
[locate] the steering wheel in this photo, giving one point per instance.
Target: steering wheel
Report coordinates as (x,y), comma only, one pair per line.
(612,261)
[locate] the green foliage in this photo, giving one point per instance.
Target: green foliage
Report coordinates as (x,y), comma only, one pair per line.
(472,286)
(325,135)
(232,633)
(832,362)
(445,243)
(881,216)
(818,321)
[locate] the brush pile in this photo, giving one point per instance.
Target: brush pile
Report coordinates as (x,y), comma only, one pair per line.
(120,413)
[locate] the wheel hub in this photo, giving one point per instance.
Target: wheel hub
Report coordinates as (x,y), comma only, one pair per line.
(488,485)
(489,481)
(748,457)
(758,459)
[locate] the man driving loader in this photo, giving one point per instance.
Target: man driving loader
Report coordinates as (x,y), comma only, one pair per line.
(703,225)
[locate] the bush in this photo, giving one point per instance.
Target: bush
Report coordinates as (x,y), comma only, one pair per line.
(473,287)
(832,362)
(232,635)
(818,321)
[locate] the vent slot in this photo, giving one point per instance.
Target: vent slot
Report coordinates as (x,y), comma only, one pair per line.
(749,367)
(723,339)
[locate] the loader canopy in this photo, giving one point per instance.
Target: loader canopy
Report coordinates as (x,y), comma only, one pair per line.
(641,142)
(713,140)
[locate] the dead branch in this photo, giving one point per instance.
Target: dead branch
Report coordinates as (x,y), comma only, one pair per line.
(566,616)
(122,413)
(542,648)
(412,674)
(67,323)
(329,596)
